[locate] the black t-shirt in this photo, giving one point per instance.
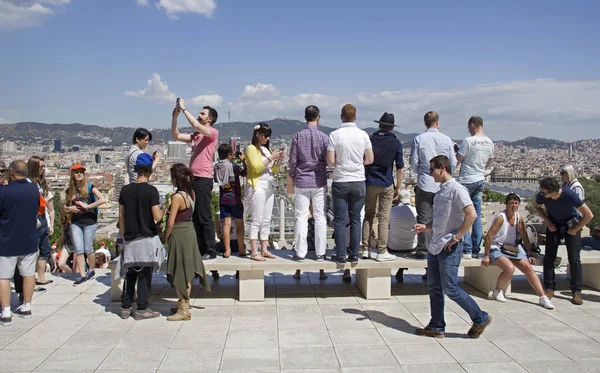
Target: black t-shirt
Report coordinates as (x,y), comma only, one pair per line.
(89,217)
(137,200)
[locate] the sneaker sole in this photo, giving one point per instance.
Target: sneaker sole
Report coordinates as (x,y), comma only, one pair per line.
(24,316)
(6,323)
(386,260)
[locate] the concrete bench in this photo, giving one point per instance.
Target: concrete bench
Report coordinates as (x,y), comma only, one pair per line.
(373,278)
(590,266)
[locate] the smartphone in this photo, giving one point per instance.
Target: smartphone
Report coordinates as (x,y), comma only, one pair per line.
(177,105)
(456,148)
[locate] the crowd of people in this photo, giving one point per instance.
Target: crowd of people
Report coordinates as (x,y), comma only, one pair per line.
(369,205)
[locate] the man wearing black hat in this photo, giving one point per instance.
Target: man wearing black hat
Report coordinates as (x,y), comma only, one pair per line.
(387,149)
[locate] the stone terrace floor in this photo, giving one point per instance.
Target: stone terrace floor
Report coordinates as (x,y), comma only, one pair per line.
(304,325)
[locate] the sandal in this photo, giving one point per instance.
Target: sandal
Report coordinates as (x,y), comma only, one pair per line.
(44,283)
(267,254)
(257,257)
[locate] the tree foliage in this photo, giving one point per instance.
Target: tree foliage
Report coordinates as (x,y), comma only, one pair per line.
(592,197)
(491,196)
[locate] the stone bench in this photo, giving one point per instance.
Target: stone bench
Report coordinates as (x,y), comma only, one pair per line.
(372,277)
(590,266)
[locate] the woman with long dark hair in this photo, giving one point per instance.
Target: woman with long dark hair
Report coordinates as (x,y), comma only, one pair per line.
(261,165)
(36,172)
(184,262)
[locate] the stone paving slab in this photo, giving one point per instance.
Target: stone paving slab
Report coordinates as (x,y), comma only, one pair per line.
(306,325)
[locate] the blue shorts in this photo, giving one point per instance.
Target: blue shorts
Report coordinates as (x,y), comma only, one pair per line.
(236,211)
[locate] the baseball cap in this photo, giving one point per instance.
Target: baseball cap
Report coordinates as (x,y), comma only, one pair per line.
(144,159)
(404,196)
(76,167)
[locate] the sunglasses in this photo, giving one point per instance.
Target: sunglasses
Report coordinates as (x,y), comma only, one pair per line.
(79,172)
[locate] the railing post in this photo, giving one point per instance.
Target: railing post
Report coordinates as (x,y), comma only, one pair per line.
(282,243)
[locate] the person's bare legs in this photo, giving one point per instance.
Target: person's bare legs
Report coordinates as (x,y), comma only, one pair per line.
(239,232)
(227,236)
(41,270)
(28,287)
(91,261)
(532,277)
(62,261)
(5,292)
(508,269)
(264,249)
(80,264)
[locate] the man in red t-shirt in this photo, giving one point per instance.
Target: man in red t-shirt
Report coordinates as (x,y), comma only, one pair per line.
(204,142)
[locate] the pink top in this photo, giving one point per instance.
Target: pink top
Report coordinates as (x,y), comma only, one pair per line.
(203,151)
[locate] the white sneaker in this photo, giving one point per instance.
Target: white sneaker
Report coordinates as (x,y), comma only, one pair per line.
(366,254)
(467,256)
(385,257)
(545,302)
(499,296)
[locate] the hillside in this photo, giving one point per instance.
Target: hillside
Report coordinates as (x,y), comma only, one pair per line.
(92,135)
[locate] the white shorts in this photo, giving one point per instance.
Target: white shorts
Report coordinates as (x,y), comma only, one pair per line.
(26,264)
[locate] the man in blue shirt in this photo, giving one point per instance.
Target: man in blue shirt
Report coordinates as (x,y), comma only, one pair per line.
(387,149)
(427,145)
(565,215)
(19,202)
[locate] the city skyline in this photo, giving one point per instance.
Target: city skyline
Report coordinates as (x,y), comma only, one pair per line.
(526,68)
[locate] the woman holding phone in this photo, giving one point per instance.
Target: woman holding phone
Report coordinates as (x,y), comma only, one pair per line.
(261,164)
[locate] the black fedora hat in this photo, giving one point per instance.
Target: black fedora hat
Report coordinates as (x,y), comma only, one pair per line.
(386,119)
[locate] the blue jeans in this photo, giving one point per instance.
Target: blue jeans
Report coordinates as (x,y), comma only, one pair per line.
(348,198)
(43,237)
(442,279)
(83,238)
(472,239)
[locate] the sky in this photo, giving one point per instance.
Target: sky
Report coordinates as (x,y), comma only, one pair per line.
(529,68)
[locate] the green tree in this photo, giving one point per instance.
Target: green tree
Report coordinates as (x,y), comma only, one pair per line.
(491,196)
(592,198)
(214,204)
(57,203)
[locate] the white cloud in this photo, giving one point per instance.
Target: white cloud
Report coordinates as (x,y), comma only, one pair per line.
(552,108)
(156,90)
(174,7)
(260,91)
(27,13)
(205,100)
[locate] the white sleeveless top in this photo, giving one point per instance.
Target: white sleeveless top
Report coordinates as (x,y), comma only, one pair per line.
(507,233)
(577,188)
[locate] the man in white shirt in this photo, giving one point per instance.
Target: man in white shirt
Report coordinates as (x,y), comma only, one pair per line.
(349,151)
(474,156)
(402,237)
(453,215)
(427,145)
(141,138)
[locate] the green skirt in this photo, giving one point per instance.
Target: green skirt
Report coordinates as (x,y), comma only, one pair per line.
(184,262)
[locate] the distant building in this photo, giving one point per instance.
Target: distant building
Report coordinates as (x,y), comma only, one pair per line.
(98,158)
(9,146)
(234,142)
(176,150)
(119,182)
(75,148)
(57,146)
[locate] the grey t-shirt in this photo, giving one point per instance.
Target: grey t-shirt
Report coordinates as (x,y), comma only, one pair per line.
(130,160)
(448,215)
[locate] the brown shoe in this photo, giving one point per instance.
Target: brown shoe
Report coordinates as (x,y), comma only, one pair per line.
(428,332)
(477,329)
(577,298)
(549,293)
(183,313)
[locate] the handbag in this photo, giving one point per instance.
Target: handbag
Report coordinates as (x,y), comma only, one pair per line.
(512,250)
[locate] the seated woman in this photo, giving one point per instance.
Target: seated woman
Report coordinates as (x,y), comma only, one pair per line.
(593,242)
(101,260)
(505,234)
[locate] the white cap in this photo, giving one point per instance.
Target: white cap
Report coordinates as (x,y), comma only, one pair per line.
(404,196)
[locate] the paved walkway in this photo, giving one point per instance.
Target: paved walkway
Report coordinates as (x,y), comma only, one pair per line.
(304,325)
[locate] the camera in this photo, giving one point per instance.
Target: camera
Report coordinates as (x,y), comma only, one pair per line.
(177,104)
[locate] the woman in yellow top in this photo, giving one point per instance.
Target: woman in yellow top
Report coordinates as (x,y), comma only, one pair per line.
(261,164)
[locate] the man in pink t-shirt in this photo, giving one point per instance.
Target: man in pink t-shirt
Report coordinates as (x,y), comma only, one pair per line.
(204,142)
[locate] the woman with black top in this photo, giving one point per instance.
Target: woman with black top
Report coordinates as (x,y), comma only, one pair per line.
(82,200)
(184,262)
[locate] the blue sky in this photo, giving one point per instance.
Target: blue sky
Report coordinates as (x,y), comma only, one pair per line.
(528,68)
